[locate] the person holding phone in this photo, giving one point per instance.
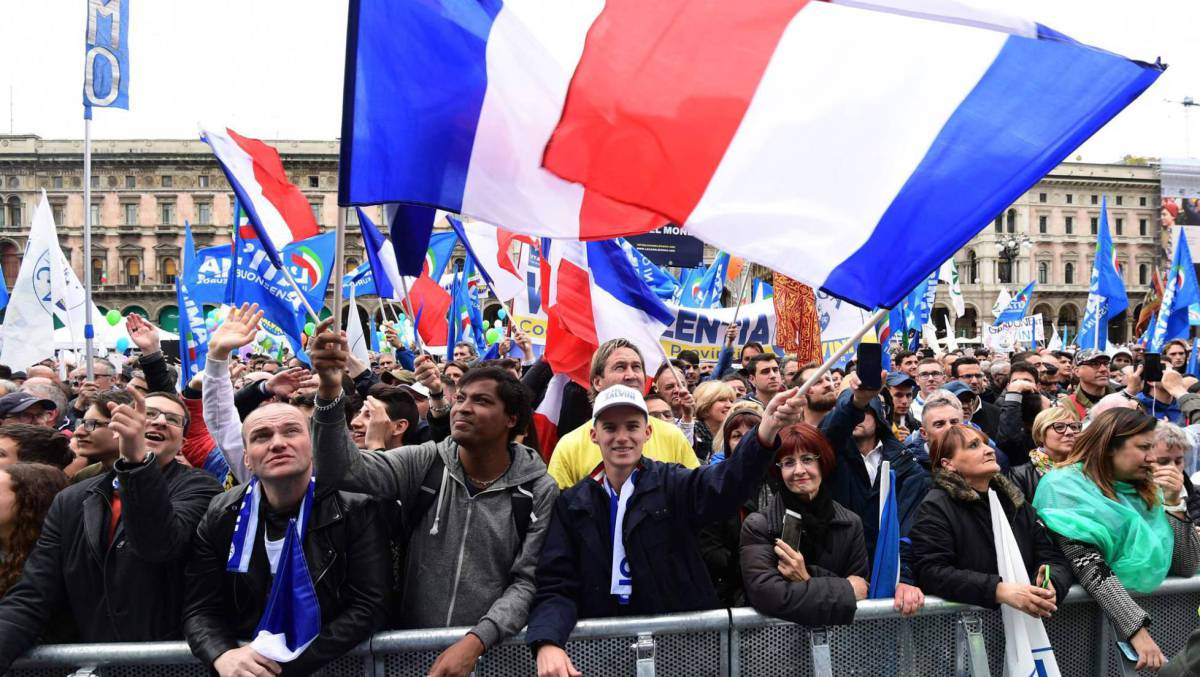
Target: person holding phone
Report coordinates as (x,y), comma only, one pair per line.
(954,546)
(817,578)
(1119,519)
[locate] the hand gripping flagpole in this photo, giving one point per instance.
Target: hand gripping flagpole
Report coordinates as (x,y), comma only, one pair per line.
(88,330)
(339,265)
(837,355)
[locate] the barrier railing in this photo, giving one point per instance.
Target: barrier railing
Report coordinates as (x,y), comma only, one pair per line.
(944,639)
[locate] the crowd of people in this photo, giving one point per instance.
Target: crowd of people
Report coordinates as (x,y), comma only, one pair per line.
(411,493)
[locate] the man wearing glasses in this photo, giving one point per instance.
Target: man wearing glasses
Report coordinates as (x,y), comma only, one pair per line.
(930,377)
(22,407)
(104,374)
(113,547)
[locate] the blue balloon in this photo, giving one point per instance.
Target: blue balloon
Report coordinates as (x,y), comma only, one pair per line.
(502,313)
(122,344)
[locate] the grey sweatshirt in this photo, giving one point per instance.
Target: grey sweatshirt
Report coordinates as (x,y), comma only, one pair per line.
(465,565)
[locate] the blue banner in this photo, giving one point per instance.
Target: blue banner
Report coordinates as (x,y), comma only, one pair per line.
(362,280)
(664,284)
(106,56)
(193,333)
(207,281)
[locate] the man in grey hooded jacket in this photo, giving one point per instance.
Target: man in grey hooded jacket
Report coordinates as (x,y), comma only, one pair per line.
(466,563)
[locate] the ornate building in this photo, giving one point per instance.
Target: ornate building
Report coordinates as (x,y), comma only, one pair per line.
(1049,235)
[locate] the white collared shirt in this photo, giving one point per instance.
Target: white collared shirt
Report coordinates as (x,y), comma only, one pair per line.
(872,461)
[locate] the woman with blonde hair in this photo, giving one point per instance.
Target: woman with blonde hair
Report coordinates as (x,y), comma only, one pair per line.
(1054,432)
(1119,519)
(713,400)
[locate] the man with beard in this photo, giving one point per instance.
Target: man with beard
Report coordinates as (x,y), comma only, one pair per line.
(765,377)
(113,548)
(821,396)
(1091,366)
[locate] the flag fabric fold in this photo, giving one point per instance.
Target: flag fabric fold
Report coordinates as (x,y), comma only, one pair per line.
(1180,302)
(389,261)
(1017,306)
(359,346)
(36,294)
(948,273)
(193,333)
(1106,290)
(885,567)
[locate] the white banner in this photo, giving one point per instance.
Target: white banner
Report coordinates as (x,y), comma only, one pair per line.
(1004,337)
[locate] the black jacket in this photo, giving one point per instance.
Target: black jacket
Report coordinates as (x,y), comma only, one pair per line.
(825,599)
(129,590)
(954,553)
(347,554)
(987,418)
(669,506)
(1026,478)
(1014,436)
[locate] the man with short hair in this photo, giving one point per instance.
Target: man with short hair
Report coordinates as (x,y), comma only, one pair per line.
(1066,367)
(22,443)
(476,504)
(1021,404)
(1122,357)
(982,415)
(24,407)
(998,373)
(821,396)
(749,350)
(667,384)
(906,361)
(387,419)
(617,361)
(1091,366)
(466,351)
(113,548)
(788,368)
(1049,382)
(969,371)
(658,408)
(902,387)
(691,367)
(930,377)
(104,378)
(320,554)
(1175,354)
(765,377)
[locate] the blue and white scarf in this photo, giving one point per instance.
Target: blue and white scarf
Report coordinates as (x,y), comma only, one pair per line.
(622,576)
(292,618)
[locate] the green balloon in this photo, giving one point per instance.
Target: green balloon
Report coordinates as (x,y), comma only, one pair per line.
(113,316)
(310,328)
(492,335)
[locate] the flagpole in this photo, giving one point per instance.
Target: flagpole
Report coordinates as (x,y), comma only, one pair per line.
(287,275)
(339,265)
(837,355)
(741,294)
(88,331)
(408,306)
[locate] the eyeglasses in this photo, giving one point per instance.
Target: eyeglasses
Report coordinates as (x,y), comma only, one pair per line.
(1061,428)
(930,374)
(791,462)
(90,424)
(172,419)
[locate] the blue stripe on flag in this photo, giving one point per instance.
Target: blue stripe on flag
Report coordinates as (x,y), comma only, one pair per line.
(613,273)
(416,74)
(1039,100)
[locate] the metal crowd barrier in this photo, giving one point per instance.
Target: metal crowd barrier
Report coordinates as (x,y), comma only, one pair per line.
(944,639)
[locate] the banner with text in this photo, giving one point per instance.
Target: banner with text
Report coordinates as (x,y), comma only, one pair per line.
(1004,337)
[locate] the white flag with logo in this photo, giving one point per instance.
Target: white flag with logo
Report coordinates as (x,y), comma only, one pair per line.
(1002,301)
(1027,649)
(949,275)
(29,319)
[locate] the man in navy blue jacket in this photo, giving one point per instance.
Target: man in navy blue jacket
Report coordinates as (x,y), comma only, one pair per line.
(652,563)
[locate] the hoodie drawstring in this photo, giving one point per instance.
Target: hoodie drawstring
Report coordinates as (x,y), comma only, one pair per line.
(437,511)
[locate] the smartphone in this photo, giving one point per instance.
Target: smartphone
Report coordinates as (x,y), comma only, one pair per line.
(791,529)
(869,365)
(1127,651)
(1152,370)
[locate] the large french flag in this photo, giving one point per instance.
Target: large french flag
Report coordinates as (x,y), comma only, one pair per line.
(278,211)
(823,139)
(592,294)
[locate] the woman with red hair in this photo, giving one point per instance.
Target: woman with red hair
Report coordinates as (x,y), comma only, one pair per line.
(821,579)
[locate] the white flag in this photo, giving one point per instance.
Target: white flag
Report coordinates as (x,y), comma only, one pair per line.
(29,320)
(929,332)
(951,339)
(1056,342)
(1002,301)
(354,332)
(949,275)
(1027,649)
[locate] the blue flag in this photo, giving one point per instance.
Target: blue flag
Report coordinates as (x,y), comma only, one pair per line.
(209,278)
(761,290)
(1193,365)
(917,307)
(106,56)
(193,333)
(361,279)
(1181,300)
(256,280)
(3,295)
(476,266)
(885,568)
(1106,292)
(713,282)
(690,281)
(1017,306)
(373,340)
(664,284)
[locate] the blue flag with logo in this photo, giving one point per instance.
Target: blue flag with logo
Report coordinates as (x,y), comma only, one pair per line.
(689,287)
(256,280)
(664,284)
(361,279)
(917,307)
(713,282)
(106,56)
(193,333)
(1015,310)
(1181,300)
(209,279)
(1106,291)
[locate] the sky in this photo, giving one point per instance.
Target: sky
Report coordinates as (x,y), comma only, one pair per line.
(272,69)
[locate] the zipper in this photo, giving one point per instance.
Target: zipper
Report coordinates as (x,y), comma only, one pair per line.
(462,547)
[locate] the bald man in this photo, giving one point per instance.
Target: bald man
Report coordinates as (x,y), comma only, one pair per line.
(344,548)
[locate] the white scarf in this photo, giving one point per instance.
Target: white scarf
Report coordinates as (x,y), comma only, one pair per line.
(1027,649)
(622,576)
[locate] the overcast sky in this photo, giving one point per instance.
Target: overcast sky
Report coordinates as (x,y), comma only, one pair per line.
(273,68)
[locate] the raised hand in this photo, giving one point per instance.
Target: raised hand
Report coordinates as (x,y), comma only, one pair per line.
(143,334)
(238,329)
(128,422)
(286,382)
(329,352)
(1030,599)
(427,373)
(785,409)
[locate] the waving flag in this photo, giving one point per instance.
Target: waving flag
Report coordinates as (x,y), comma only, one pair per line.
(1150,306)
(885,567)
(193,333)
(592,294)
(277,210)
(1106,291)
(664,284)
(36,295)
(1181,299)
(464,320)
(490,251)
(698,111)
(106,59)
(949,274)
(388,262)
(713,282)
(1017,305)
(359,282)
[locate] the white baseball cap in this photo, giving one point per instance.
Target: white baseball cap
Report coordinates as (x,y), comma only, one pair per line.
(417,389)
(618,396)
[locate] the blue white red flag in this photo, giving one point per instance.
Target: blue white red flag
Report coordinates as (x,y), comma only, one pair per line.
(664,284)
(1017,305)
(491,249)
(389,261)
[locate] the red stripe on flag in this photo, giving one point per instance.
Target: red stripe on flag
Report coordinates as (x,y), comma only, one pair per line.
(434,304)
(547,435)
(573,304)
(287,198)
(659,92)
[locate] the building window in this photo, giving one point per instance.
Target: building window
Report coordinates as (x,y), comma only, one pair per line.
(95,181)
(1120,200)
(999,223)
(1142,201)
(1012,220)
(131,213)
(1041,197)
(1069,273)
(1043,272)
(167,211)
(1004,270)
(1141,226)
(1070,198)
(1120,225)
(1095,225)
(10,261)
(314,182)
(98,275)
(352,217)
(168,181)
(59,213)
(1069,224)
(3,215)
(14,212)
(1042,222)
(169,270)
(316,210)
(95,214)
(1095,199)
(130,182)
(202,181)
(203,212)
(1143,273)
(972,267)
(133,271)
(57,181)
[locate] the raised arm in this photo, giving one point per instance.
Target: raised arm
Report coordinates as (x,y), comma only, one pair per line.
(220,414)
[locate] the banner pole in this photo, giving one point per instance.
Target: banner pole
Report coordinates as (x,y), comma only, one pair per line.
(339,265)
(737,308)
(88,331)
(877,316)
(412,316)
(287,274)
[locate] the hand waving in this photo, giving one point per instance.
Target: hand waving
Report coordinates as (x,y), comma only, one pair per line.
(129,424)
(143,334)
(238,329)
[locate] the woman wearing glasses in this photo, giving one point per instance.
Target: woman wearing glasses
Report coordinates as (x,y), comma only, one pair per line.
(819,580)
(1054,432)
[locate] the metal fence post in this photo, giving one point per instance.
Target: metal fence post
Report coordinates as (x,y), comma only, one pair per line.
(970,658)
(822,658)
(644,650)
